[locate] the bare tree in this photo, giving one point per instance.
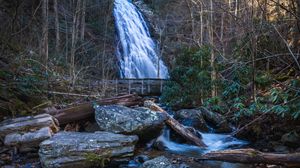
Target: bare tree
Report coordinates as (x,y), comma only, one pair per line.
(44,44)
(82,26)
(212,59)
(57,35)
(74,38)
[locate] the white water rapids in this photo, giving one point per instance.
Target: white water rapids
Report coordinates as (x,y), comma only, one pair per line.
(213,141)
(137,52)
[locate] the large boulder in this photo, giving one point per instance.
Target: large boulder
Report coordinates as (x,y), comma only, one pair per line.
(202,118)
(75,149)
(192,118)
(158,162)
(120,119)
(218,121)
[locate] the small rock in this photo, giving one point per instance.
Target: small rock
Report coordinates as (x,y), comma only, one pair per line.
(91,127)
(183,165)
(141,158)
(158,162)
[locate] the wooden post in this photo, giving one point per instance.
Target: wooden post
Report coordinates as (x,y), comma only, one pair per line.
(149,89)
(129,86)
(117,87)
(142,87)
(161,86)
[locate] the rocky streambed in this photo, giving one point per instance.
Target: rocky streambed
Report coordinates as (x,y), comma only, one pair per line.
(121,137)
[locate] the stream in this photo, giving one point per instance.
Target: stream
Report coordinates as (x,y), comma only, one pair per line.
(170,145)
(213,141)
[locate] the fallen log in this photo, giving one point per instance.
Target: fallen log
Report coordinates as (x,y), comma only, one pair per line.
(176,126)
(253,156)
(86,110)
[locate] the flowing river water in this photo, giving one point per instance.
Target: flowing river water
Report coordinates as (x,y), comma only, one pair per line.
(168,144)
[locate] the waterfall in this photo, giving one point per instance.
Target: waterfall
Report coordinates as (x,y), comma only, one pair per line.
(136,50)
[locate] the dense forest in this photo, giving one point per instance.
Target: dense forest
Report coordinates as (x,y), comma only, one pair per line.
(209,80)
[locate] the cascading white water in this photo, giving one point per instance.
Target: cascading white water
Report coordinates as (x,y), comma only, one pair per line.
(213,141)
(137,52)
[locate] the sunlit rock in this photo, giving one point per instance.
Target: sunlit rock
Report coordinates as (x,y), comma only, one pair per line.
(120,119)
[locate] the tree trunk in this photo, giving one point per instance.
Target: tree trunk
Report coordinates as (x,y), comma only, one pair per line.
(253,52)
(66,38)
(74,38)
(253,156)
(212,59)
(44,43)
(176,126)
(57,42)
(82,26)
(296,36)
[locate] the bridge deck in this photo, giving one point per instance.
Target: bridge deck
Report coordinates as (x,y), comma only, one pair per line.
(130,86)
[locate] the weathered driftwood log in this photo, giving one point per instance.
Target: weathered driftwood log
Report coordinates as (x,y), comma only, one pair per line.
(252,156)
(86,110)
(28,124)
(176,126)
(28,141)
(77,150)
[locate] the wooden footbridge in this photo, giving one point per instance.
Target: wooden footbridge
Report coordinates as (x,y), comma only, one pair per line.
(132,86)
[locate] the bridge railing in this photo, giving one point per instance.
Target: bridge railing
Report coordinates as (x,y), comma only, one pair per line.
(130,86)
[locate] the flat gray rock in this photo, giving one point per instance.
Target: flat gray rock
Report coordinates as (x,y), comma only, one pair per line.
(75,149)
(121,119)
(26,124)
(28,140)
(26,133)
